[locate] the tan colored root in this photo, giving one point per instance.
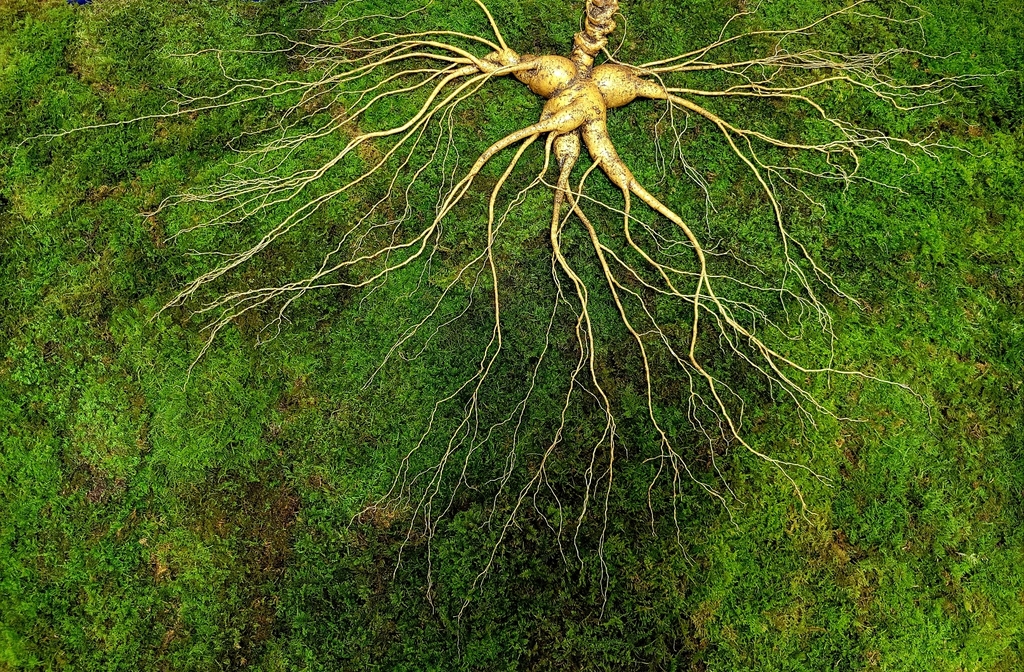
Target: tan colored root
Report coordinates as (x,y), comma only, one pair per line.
(658,254)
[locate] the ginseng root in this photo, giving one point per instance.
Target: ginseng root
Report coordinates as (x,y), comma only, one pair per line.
(654,256)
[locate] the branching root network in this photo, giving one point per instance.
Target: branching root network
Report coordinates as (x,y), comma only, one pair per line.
(655,256)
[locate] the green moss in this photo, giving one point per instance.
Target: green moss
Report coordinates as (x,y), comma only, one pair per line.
(146,523)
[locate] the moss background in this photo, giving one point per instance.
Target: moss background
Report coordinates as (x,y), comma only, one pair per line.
(146,524)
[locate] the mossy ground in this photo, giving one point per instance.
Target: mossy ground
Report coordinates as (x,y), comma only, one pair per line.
(145,524)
